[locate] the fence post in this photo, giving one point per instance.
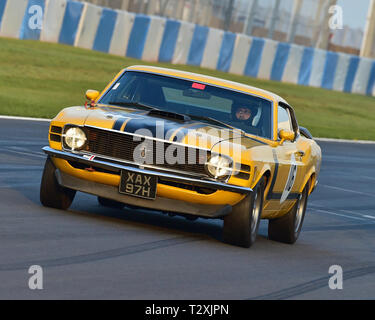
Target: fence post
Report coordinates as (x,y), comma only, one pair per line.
(274,18)
(325,32)
(294,21)
(248,28)
(317,26)
(369,36)
(125,5)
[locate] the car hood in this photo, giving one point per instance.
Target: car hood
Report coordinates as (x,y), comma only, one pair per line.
(193,133)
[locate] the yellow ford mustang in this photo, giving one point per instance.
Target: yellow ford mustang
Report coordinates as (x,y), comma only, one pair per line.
(186,144)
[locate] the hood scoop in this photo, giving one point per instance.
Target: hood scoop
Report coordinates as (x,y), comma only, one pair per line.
(169,115)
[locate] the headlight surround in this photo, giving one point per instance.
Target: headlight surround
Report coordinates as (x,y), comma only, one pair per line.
(219,167)
(74,138)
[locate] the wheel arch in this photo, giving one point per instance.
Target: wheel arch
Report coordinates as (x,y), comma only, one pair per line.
(266,172)
(311,179)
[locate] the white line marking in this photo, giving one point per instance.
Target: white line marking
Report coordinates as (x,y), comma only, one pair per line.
(347,190)
(316,206)
(25,118)
(18,185)
(370,178)
(358,214)
(20,149)
(26,153)
(345,141)
(340,215)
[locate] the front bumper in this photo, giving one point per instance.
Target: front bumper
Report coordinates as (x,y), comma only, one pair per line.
(164,204)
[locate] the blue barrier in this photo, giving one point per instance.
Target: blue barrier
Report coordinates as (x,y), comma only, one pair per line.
(370,90)
(280,61)
(138,37)
(72,17)
(254,58)
(226,52)
(329,70)
(33,19)
(306,66)
(105,30)
(168,44)
(2,8)
(352,70)
(198,45)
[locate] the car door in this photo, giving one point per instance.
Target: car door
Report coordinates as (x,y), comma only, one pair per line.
(291,169)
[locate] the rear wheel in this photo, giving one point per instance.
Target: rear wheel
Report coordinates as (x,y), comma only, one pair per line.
(110,203)
(288,228)
(51,193)
(242,224)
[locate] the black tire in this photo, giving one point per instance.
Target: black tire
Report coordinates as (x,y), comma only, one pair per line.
(51,193)
(242,224)
(288,228)
(110,203)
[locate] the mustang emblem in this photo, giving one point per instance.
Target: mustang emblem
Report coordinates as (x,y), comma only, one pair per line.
(144,151)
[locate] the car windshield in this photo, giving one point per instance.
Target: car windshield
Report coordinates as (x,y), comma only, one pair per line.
(199,101)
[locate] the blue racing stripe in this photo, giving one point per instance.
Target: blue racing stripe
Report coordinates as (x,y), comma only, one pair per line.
(306,66)
(118,123)
(352,70)
(70,23)
(279,63)
(329,70)
(168,44)
(138,36)
(226,52)
(255,57)
(198,45)
(2,8)
(371,81)
(33,20)
(105,30)
(274,178)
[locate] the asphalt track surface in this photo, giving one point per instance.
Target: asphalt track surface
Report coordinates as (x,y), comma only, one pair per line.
(91,252)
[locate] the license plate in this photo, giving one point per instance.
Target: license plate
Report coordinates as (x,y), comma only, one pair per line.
(138,185)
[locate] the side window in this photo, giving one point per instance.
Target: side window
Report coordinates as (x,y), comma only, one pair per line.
(284,121)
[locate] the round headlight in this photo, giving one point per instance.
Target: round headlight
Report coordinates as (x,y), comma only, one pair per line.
(219,166)
(75,138)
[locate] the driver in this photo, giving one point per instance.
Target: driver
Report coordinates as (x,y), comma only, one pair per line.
(243,113)
(245,117)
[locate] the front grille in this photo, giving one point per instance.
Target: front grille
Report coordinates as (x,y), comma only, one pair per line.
(55,137)
(187,186)
(123,146)
(55,129)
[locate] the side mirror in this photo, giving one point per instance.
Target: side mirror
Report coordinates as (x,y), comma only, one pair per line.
(92,95)
(286,135)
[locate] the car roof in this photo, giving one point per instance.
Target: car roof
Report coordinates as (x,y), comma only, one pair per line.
(208,80)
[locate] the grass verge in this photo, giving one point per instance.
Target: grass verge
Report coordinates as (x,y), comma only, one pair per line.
(39,79)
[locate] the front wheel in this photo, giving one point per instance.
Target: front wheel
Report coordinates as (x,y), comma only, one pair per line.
(242,224)
(288,228)
(51,193)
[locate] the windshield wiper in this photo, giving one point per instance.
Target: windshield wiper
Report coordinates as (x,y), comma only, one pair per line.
(154,111)
(208,119)
(133,104)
